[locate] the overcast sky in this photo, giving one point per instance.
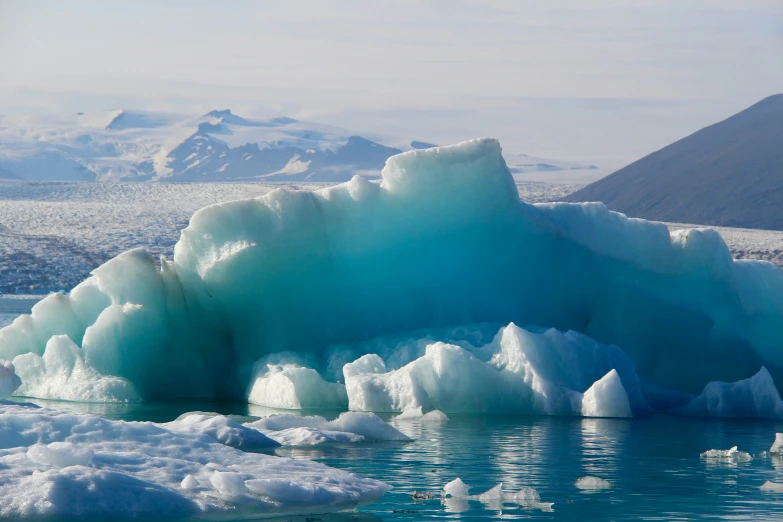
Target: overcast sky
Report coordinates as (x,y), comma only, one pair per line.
(601,81)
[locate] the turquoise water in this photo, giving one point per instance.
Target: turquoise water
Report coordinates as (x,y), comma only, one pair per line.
(654,464)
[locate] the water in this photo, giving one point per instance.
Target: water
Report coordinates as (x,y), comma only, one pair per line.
(654,464)
(12,306)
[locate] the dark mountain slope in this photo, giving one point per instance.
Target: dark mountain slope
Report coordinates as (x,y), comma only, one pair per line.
(729,174)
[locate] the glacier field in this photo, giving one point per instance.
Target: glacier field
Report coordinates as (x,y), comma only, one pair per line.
(436,288)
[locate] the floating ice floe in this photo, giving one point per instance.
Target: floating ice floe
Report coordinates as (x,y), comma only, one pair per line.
(61,465)
(730,455)
(309,430)
(593,483)
(224,430)
(442,242)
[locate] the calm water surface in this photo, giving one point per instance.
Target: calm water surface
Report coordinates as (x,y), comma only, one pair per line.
(654,464)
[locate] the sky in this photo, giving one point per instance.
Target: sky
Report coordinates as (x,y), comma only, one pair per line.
(604,81)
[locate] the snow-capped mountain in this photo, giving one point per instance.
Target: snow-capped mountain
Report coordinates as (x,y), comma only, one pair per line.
(217,146)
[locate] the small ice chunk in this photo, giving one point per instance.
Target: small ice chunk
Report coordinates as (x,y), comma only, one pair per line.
(434,416)
(777,446)
(9,381)
(189,482)
(456,489)
(495,493)
(590,482)
(743,456)
(59,455)
(528,497)
(312,436)
(731,454)
(720,454)
(228,483)
(410,413)
(774,487)
(368,425)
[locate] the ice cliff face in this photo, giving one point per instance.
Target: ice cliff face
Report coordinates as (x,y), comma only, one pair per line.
(326,277)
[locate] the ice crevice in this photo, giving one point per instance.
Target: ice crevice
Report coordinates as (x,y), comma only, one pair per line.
(437,288)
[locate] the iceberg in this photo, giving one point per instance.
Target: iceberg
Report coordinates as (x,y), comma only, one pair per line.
(752,397)
(60,465)
(442,244)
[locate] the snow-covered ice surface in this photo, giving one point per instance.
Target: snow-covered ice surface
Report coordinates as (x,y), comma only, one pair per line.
(351,293)
(53,234)
(62,465)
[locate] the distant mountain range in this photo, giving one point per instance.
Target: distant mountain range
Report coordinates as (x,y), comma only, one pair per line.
(727,174)
(127,145)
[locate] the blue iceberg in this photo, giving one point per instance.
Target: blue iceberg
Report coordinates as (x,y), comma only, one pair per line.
(408,293)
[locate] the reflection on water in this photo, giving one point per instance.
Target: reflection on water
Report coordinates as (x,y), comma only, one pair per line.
(654,464)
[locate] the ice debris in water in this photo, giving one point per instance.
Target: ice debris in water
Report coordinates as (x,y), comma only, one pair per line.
(446,230)
(593,483)
(777,446)
(62,465)
(309,430)
(410,413)
(456,489)
(731,454)
(433,416)
(773,487)
(9,381)
(526,497)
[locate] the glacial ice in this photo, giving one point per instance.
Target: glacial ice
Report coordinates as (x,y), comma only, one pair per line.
(442,243)
(56,464)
